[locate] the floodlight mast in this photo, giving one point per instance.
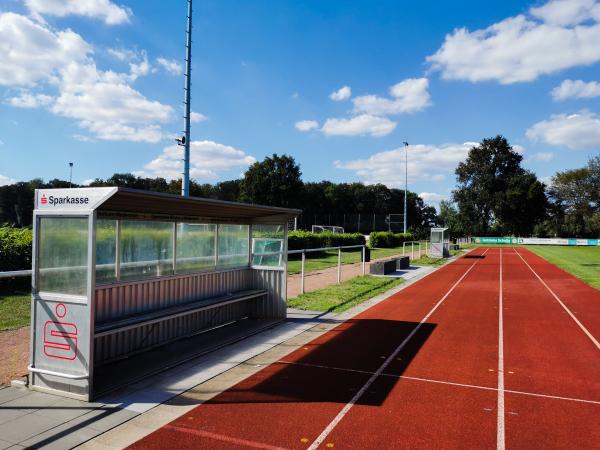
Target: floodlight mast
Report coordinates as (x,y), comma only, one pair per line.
(405,181)
(185,182)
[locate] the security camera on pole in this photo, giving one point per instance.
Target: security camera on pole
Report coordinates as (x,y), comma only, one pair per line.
(184,140)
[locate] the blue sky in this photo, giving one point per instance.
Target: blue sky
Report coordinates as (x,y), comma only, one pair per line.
(339,85)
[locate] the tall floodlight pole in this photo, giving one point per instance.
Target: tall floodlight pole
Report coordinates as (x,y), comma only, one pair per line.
(405,183)
(70,174)
(185,182)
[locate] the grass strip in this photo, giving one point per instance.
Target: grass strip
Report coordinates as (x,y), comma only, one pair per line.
(15,305)
(341,297)
(582,262)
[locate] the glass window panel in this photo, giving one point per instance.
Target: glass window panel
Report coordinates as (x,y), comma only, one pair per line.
(106,248)
(436,237)
(267,239)
(62,255)
(146,249)
(195,247)
(233,245)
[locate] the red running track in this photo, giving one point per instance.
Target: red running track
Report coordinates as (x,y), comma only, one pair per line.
(438,365)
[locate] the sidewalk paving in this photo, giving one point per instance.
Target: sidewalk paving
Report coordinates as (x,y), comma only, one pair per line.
(34,419)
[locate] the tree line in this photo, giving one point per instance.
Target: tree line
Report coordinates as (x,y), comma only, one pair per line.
(494,196)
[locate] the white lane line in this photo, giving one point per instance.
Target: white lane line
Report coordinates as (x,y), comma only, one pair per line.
(500,440)
(319,440)
(444,382)
(584,329)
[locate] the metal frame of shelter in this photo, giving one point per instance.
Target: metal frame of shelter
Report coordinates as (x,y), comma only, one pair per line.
(439,243)
(215,263)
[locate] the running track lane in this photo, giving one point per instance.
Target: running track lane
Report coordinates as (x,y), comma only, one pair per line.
(288,405)
(547,353)
(423,410)
(582,299)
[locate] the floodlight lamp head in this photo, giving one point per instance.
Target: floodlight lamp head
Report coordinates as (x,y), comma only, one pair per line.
(180,141)
(405,144)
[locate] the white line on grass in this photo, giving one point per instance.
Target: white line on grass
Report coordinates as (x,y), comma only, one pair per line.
(500,422)
(319,440)
(584,329)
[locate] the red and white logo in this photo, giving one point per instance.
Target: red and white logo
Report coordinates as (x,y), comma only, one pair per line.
(44,199)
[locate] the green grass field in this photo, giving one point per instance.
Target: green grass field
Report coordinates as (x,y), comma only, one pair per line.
(15,305)
(583,262)
(341,297)
(323,260)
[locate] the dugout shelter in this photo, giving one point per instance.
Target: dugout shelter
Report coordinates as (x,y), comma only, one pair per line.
(440,243)
(118,275)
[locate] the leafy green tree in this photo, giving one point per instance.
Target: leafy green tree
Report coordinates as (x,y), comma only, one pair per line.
(495,194)
(450,218)
(575,201)
(275,181)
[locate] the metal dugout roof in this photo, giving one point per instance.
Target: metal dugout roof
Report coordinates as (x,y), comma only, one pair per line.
(126,201)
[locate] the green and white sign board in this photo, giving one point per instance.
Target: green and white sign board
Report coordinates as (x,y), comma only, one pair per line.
(536,241)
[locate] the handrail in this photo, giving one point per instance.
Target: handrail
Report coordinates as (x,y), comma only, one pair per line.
(58,374)
(15,273)
(308,250)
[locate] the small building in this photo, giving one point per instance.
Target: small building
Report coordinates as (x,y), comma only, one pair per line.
(120,273)
(440,243)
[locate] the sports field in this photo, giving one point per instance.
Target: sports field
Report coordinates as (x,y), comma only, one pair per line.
(497,349)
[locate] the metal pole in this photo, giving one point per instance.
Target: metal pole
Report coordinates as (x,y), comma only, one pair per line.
(405,182)
(412,250)
(185,182)
(302,273)
(364,259)
(403,246)
(339,274)
(70,174)
(419,249)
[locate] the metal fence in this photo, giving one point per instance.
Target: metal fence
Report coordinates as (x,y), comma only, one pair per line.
(351,223)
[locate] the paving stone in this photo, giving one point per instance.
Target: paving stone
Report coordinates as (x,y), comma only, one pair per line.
(5,444)
(33,401)
(6,415)
(10,393)
(67,435)
(16,431)
(64,410)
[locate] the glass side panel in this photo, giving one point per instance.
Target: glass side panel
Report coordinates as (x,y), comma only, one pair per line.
(267,239)
(195,247)
(436,237)
(146,249)
(106,251)
(233,245)
(62,254)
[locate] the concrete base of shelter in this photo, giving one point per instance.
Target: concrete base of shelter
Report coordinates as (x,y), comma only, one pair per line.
(35,419)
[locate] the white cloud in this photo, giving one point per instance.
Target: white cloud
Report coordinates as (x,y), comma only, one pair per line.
(362,125)
(433,198)
(196,117)
(105,10)
(4,180)
(30,53)
(306,125)
(341,94)
(170,65)
(27,100)
(567,12)
(102,102)
(122,54)
(409,95)
(207,159)
(425,162)
(82,138)
(559,35)
(576,89)
(541,157)
(575,131)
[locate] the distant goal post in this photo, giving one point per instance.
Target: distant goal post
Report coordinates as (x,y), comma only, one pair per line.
(326,228)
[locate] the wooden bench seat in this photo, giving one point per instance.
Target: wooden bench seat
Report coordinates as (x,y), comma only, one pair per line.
(111,327)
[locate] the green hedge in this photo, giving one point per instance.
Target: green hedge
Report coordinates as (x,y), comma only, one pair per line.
(298,240)
(15,248)
(387,239)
